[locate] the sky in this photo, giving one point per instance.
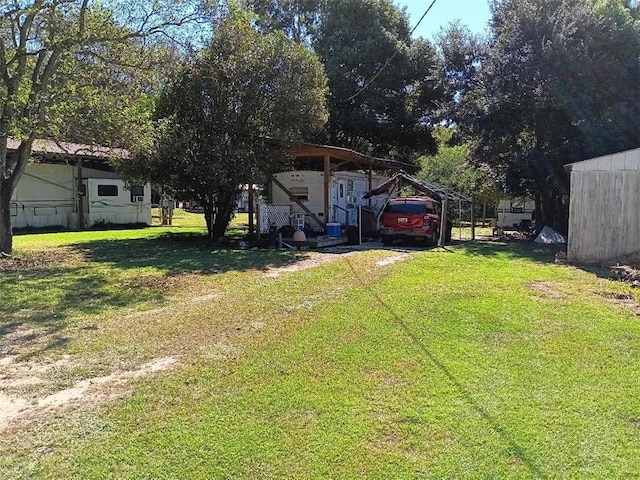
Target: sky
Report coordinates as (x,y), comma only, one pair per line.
(473,13)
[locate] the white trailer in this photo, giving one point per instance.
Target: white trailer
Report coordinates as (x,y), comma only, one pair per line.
(109,201)
(345,194)
(512,212)
(48,193)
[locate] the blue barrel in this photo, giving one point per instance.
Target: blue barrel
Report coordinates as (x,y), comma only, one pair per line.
(333,229)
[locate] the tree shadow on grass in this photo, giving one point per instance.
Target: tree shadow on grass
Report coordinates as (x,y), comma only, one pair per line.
(41,297)
(38,302)
(176,254)
(537,253)
(511,250)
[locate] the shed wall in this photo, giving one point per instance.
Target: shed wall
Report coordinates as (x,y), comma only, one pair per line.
(604,215)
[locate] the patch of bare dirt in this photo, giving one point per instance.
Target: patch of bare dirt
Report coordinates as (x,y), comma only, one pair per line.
(302,263)
(15,338)
(38,260)
(331,254)
(160,282)
(548,290)
(16,408)
(391,260)
(622,299)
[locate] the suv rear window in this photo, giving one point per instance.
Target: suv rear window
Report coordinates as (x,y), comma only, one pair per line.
(408,208)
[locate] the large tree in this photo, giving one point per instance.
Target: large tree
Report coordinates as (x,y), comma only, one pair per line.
(450,167)
(298,19)
(44,45)
(383,84)
(220,116)
(558,83)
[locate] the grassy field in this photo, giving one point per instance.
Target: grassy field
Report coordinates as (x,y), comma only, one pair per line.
(483,361)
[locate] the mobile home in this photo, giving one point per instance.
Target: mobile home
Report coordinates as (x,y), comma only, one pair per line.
(64,188)
(345,194)
(326,186)
(512,212)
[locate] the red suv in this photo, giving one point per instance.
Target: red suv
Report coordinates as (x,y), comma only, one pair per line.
(411,218)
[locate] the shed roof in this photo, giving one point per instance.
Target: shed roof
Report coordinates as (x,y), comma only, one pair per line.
(627,160)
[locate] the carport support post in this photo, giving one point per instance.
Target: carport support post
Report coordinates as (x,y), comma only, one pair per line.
(370,178)
(443,220)
(473,220)
(251,209)
(80,198)
(327,177)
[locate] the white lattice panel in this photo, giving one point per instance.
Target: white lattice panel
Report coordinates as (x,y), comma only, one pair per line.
(269,215)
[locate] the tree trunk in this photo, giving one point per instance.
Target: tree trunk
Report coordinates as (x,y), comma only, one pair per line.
(552,212)
(226,202)
(484,213)
(6,234)
(218,209)
(208,210)
(12,169)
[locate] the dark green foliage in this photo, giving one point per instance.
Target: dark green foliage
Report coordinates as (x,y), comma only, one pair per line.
(218,115)
(383,87)
(557,84)
(298,19)
(450,168)
(392,115)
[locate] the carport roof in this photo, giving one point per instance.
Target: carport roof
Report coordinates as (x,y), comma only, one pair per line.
(313,155)
(432,189)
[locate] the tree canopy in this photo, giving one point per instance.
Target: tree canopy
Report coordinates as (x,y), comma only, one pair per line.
(557,83)
(383,84)
(450,167)
(55,56)
(219,114)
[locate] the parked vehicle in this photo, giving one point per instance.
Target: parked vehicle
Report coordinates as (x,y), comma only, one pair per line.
(415,218)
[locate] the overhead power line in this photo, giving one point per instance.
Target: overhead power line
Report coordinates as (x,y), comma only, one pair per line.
(366,85)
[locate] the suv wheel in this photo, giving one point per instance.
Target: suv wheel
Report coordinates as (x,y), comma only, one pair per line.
(387,240)
(433,239)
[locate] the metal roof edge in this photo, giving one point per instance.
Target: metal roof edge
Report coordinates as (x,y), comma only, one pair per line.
(569,166)
(54,147)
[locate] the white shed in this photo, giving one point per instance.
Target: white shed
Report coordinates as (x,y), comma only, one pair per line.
(604,208)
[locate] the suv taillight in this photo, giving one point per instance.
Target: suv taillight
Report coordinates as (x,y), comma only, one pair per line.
(426,221)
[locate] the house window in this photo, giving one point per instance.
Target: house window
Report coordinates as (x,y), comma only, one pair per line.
(301,193)
(107,190)
(517,207)
(137,192)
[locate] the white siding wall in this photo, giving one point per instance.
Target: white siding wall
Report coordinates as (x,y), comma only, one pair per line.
(46,197)
(604,214)
(314,182)
(119,209)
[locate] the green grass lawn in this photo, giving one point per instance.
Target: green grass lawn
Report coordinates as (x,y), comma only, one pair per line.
(485,361)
